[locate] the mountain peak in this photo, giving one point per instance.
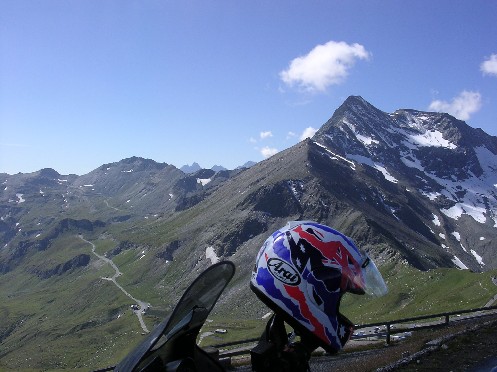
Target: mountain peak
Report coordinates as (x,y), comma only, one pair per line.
(410,188)
(48,173)
(357,104)
(136,163)
(191,168)
(448,162)
(355,100)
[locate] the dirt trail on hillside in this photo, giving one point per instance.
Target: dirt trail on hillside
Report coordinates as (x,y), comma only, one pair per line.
(141,305)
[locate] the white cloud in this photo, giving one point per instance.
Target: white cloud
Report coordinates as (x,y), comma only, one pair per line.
(489,66)
(291,135)
(266,134)
(268,152)
(308,133)
(462,106)
(252,140)
(323,66)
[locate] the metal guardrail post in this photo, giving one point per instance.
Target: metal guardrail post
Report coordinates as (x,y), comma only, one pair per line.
(388,333)
(389,330)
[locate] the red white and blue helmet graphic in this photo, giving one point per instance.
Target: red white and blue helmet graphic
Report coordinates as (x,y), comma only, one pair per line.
(304,268)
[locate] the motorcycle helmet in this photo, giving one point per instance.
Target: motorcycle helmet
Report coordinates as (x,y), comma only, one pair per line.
(302,271)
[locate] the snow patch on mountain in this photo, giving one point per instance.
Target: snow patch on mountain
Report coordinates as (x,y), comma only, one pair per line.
(297,188)
(412,162)
(458,238)
(430,195)
(477,190)
(456,211)
(473,196)
(436,220)
(368,161)
(431,138)
(478,200)
(210,254)
(334,156)
(365,140)
(478,258)
(459,263)
(424,137)
(488,162)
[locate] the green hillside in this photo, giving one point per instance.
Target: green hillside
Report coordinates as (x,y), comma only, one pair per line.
(79,320)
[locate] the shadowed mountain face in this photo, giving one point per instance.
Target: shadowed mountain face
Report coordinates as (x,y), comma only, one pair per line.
(415,189)
(445,170)
(412,185)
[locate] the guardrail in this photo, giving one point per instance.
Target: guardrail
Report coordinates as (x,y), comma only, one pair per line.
(381,329)
(388,327)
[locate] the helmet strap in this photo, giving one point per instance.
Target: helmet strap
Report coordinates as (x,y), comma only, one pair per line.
(274,352)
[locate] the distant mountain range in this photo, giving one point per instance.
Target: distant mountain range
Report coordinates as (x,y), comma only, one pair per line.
(413,188)
(423,183)
(195,167)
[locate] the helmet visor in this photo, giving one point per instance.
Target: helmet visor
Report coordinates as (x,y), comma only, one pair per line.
(374,283)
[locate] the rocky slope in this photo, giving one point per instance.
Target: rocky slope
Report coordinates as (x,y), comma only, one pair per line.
(413,188)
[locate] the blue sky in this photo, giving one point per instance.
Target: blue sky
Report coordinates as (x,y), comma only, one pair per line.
(88,82)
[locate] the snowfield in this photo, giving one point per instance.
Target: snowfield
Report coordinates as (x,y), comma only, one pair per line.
(210,254)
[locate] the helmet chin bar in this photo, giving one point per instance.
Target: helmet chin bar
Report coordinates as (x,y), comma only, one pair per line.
(275,353)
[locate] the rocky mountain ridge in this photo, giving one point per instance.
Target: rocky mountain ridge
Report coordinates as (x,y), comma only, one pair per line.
(433,155)
(423,182)
(414,189)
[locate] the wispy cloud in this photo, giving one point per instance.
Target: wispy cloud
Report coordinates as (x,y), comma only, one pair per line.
(3,144)
(462,106)
(489,66)
(308,133)
(265,134)
(268,151)
(291,135)
(323,66)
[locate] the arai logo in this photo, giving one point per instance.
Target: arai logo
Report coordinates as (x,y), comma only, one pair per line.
(283,271)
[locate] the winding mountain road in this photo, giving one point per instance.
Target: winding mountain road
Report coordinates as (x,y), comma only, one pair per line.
(142,306)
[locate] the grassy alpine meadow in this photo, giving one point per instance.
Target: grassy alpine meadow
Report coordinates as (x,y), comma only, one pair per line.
(66,324)
(72,320)
(414,293)
(219,330)
(410,293)
(80,320)
(103,246)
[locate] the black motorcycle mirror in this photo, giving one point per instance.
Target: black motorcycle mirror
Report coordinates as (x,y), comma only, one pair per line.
(171,346)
